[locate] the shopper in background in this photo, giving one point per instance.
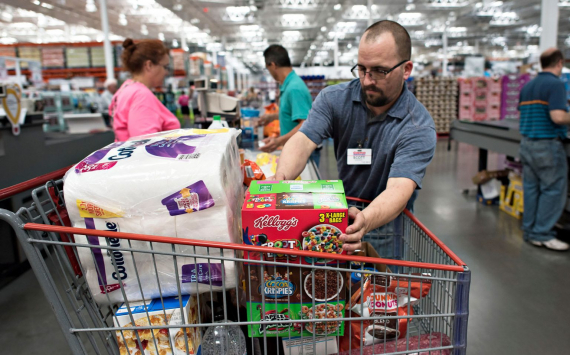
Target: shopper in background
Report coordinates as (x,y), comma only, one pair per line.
(106,98)
(294,101)
(543,116)
(183,101)
(135,109)
(379,116)
(194,96)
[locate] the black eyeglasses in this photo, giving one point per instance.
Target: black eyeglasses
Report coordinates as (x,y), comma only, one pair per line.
(359,71)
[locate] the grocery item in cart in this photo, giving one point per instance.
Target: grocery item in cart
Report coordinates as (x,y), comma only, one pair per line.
(185,184)
(165,341)
(414,346)
(298,215)
(383,296)
(277,294)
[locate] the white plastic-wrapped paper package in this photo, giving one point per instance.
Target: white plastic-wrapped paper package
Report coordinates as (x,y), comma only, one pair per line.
(186,184)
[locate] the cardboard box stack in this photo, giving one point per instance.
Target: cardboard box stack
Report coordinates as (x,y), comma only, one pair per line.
(479,99)
(511,89)
(439,96)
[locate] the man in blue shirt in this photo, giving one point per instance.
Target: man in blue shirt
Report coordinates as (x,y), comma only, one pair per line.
(294,101)
(384,138)
(543,116)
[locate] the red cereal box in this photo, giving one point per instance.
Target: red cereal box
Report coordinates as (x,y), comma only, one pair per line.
(299,215)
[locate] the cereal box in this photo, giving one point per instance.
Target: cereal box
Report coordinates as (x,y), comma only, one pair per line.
(167,341)
(297,215)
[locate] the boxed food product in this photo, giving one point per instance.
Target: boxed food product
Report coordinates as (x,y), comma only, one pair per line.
(166,341)
(299,215)
(283,293)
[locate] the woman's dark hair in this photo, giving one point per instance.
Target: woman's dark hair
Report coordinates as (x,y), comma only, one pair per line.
(136,54)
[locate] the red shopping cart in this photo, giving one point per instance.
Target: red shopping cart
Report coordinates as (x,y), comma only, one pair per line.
(433,321)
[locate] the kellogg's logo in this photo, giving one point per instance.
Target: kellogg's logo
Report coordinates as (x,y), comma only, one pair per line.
(274,222)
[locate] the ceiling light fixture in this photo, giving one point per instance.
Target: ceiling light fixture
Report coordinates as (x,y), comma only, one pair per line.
(337,7)
(175,43)
(123,20)
(161,36)
(177,7)
(47,6)
(448,3)
(90,6)
(144,30)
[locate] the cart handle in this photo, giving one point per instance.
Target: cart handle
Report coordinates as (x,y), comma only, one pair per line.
(429,233)
(233,246)
(30,184)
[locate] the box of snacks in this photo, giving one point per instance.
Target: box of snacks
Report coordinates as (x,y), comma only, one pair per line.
(298,215)
(295,215)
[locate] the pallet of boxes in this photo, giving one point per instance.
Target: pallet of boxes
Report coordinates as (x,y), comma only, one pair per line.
(439,96)
(480,99)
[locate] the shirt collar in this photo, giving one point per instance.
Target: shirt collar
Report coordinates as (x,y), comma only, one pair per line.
(287,80)
(548,73)
(400,108)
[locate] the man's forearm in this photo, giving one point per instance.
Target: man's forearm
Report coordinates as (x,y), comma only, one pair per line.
(389,204)
(285,138)
(294,157)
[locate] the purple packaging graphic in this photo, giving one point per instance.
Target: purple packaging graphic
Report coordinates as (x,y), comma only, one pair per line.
(172,148)
(204,273)
(193,198)
(87,164)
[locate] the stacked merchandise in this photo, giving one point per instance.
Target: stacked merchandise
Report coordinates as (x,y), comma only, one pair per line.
(185,184)
(315,83)
(439,96)
(53,57)
(512,86)
(480,99)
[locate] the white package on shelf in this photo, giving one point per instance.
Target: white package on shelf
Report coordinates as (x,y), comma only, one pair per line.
(185,184)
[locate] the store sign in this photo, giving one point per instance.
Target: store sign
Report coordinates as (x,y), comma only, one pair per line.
(12,104)
(36,73)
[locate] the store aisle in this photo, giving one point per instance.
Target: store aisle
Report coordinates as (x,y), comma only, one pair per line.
(518,299)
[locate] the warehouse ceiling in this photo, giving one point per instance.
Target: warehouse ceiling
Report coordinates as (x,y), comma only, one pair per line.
(307,28)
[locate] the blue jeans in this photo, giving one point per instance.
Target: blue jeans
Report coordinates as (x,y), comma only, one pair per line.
(545,183)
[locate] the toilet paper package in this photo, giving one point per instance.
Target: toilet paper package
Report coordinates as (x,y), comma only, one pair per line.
(186,184)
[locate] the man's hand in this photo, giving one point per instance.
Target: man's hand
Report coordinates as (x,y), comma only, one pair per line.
(265,119)
(271,144)
(277,177)
(355,232)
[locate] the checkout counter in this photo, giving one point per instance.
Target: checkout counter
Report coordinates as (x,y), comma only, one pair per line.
(29,155)
(502,137)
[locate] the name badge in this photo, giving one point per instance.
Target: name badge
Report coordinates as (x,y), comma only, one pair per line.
(359,157)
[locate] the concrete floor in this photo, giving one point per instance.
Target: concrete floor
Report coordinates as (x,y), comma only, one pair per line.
(519,293)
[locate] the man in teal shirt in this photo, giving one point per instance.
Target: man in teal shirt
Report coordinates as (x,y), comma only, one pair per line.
(295,99)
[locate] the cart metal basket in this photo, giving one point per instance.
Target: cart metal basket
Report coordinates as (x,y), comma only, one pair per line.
(436,323)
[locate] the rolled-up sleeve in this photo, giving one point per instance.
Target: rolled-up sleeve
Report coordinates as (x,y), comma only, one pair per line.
(413,154)
(318,125)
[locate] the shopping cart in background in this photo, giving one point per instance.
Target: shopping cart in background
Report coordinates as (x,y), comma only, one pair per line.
(436,323)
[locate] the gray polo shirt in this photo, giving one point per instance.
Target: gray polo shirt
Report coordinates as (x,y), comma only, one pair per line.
(402,140)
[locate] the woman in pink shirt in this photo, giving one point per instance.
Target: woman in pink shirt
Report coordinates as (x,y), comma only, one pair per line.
(135,109)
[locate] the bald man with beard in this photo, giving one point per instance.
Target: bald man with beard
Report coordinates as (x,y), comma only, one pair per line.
(383,137)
